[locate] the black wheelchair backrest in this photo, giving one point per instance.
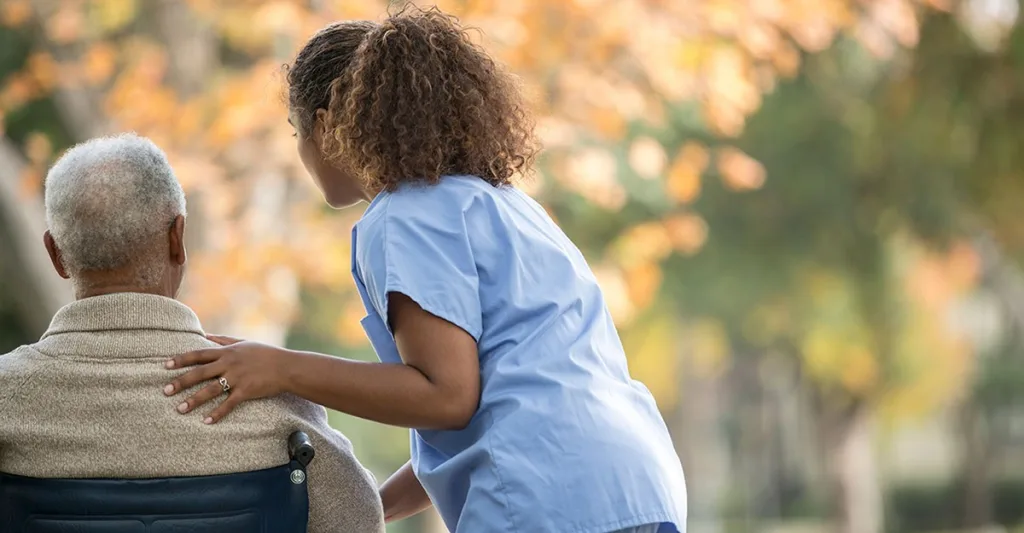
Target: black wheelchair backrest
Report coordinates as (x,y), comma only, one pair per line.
(274,500)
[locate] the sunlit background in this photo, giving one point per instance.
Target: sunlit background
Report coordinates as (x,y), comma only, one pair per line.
(807,217)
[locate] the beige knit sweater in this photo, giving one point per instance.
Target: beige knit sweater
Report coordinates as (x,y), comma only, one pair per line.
(87,401)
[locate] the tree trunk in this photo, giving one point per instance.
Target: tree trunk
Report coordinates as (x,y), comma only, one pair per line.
(975,468)
(853,467)
(38,291)
(696,430)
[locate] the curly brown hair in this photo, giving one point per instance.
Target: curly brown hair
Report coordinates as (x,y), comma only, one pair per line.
(412,99)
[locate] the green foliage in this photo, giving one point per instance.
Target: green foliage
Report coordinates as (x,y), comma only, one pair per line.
(923,508)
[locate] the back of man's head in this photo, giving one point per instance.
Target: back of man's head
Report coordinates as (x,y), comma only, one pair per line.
(110,205)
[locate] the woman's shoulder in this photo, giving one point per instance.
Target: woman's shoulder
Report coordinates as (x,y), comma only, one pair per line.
(451,190)
(446,202)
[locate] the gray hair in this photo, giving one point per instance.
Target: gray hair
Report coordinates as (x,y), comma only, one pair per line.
(107,202)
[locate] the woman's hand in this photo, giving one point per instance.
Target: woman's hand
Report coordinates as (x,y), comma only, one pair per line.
(403,496)
(250,369)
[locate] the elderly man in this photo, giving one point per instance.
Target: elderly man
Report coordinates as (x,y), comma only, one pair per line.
(72,401)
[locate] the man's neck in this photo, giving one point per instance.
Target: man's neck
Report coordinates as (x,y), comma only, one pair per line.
(92,284)
(90,291)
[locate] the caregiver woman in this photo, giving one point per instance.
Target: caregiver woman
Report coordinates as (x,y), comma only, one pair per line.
(495,342)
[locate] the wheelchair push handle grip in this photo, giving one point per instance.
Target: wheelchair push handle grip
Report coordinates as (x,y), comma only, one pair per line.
(300,448)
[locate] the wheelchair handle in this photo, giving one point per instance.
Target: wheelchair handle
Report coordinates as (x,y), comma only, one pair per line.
(300,448)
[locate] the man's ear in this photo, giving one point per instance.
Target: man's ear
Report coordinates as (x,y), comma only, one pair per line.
(51,248)
(176,241)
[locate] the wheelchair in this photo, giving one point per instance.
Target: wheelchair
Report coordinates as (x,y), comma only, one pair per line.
(274,500)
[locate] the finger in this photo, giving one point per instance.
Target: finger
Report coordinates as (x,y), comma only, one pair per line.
(204,395)
(223,340)
(192,378)
(198,357)
(223,409)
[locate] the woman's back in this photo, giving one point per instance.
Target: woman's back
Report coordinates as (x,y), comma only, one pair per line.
(556,394)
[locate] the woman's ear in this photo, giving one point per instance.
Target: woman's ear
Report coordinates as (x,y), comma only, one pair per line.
(320,126)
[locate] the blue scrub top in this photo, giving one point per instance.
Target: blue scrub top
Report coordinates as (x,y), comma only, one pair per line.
(564,440)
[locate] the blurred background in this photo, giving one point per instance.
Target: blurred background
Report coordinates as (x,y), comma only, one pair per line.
(807,217)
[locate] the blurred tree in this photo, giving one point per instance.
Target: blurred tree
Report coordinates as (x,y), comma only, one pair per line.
(664,127)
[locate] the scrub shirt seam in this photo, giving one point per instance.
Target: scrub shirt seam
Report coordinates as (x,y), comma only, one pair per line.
(387,271)
(497,475)
(394,284)
(618,525)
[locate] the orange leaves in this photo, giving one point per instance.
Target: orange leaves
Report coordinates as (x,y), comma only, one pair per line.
(642,284)
(17,90)
(43,70)
(38,148)
(636,255)
(14,13)
(30,183)
(739,171)
(99,62)
(645,243)
(687,232)
(683,182)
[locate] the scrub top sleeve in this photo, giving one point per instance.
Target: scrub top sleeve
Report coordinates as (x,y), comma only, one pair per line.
(426,255)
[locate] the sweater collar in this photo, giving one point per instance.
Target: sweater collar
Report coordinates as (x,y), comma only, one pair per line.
(124,312)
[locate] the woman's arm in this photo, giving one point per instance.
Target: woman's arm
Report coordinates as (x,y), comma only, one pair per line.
(403,495)
(437,387)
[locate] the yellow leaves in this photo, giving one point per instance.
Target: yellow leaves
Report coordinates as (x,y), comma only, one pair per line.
(14,13)
(683,182)
(647,157)
(836,355)
(837,346)
(98,62)
(652,351)
(112,15)
(739,171)
(638,252)
(768,323)
(709,347)
(349,10)
(860,370)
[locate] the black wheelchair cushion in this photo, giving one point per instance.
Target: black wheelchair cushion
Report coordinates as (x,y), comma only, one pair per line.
(264,501)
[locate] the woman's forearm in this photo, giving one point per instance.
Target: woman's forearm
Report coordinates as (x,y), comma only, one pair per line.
(403,495)
(392,394)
